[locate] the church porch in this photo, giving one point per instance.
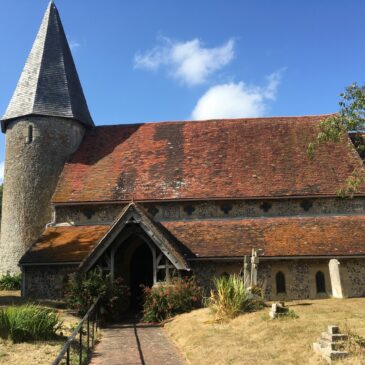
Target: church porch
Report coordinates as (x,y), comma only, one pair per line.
(295,252)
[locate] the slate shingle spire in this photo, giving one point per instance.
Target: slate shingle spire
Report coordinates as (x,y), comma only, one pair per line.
(49,84)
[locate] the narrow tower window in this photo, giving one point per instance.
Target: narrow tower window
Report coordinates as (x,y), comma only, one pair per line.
(29,138)
(280,283)
(320,282)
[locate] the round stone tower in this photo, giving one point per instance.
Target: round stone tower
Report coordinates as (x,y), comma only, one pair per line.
(44,124)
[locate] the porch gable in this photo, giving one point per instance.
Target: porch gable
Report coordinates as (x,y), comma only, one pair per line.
(135,214)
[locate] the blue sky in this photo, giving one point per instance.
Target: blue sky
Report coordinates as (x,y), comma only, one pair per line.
(142,61)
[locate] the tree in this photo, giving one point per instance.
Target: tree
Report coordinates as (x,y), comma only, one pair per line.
(349,119)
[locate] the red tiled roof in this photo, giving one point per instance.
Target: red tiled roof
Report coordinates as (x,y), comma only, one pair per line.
(300,236)
(64,244)
(246,158)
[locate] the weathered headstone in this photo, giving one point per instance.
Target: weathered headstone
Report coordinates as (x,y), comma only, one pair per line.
(335,275)
(254,265)
(330,344)
(246,272)
(278,309)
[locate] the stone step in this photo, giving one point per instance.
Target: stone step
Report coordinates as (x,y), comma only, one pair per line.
(331,346)
(333,337)
(330,355)
(333,330)
(336,355)
(330,343)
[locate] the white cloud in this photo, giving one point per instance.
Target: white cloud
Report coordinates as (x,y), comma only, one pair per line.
(74,45)
(273,81)
(237,100)
(189,62)
(2,166)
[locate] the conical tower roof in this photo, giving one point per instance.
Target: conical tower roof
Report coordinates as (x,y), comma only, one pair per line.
(49,84)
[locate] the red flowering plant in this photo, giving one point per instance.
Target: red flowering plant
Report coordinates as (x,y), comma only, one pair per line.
(166,299)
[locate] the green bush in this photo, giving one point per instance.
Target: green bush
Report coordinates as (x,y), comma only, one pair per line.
(167,299)
(289,314)
(28,323)
(230,297)
(11,282)
(83,289)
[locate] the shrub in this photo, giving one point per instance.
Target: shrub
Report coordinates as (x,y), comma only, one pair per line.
(290,314)
(83,289)
(28,323)
(11,282)
(355,344)
(230,297)
(167,299)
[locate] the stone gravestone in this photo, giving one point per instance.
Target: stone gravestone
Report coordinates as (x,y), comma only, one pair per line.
(277,310)
(246,273)
(254,266)
(330,345)
(335,275)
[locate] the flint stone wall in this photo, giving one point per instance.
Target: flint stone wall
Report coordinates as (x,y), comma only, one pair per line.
(353,277)
(300,277)
(46,282)
(32,169)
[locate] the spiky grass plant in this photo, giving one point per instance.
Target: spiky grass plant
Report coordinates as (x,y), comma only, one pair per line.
(28,323)
(10,282)
(230,297)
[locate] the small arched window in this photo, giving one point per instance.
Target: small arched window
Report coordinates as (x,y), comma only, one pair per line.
(320,282)
(30,134)
(280,283)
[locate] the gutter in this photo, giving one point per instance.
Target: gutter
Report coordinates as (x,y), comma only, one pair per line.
(221,259)
(48,263)
(272,258)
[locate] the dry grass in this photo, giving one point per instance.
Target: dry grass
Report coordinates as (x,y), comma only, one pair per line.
(255,339)
(41,353)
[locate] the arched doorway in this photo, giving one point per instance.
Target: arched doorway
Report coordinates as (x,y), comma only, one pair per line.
(141,273)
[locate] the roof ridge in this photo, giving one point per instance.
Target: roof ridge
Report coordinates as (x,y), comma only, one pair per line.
(244,119)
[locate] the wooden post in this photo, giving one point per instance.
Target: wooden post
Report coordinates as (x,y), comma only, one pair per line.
(23,292)
(167,269)
(80,349)
(154,266)
(92,331)
(112,264)
(88,333)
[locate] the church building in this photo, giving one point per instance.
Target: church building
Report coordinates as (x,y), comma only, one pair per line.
(150,201)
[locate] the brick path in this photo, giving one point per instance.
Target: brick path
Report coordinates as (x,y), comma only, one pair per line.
(135,343)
